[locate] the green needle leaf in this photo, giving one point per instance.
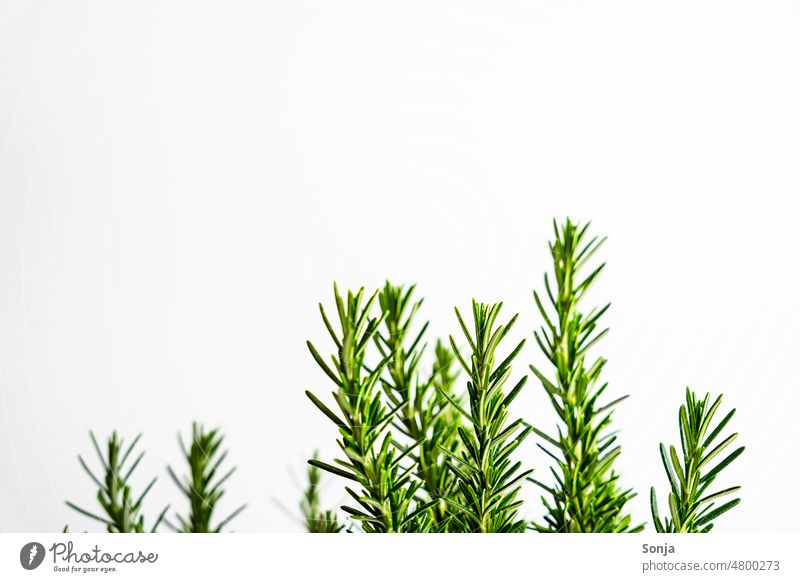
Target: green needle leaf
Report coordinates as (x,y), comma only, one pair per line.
(717,512)
(717,450)
(718,494)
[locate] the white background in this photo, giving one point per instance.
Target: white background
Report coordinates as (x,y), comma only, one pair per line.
(180,183)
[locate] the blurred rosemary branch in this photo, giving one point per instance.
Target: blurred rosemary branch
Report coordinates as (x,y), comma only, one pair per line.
(204,458)
(316,519)
(121,510)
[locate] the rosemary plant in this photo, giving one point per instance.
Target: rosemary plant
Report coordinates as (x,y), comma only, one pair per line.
(691,510)
(585,495)
(488,480)
(204,458)
(423,414)
(388,495)
(316,519)
(442,421)
(122,512)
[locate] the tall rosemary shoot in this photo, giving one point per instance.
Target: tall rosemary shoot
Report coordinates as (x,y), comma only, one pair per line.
(202,488)
(122,512)
(488,480)
(585,495)
(424,415)
(691,510)
(442,421)
(316,519)
(371,457)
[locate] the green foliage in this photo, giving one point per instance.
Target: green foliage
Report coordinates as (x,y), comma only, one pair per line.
(316,519)
(372,459)
(442,421)
(585,496)
(424,415)
(122,511)
(691,510)
(449,464)
(488,481)
(202,488)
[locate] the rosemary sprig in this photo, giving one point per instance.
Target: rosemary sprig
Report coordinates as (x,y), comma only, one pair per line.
(121,510)
(204,458)
(372,459)
(488,480)
(585,495)
(442,421)
(691,510)
(423,414)
(316,519)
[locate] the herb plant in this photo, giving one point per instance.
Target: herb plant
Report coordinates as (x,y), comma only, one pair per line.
(203,487)
(387,497)
(585,496)
(424,415)
(316,519)
(442,420)
(420,458)
(691,510)
(122,511)
(488,480)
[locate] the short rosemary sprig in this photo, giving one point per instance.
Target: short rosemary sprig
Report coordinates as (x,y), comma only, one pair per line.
(372,459)
(316,519)
(121,511)
(488,480)
(585,495)
(424,415)
(690,509)
(204,459)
